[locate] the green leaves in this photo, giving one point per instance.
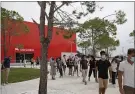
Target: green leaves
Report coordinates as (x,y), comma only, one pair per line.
(120,17)
(84,44)
(6,14)
(11,25)
(90,5)
(105,41)
(98,31)
(132,33)
(12,22)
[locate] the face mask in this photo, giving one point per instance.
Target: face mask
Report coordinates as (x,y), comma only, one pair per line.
(118,59)
(132,59)
(103,57)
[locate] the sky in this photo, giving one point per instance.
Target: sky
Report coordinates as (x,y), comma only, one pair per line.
(30,10)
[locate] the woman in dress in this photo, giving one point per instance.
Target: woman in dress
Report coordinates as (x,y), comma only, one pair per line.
(53,65)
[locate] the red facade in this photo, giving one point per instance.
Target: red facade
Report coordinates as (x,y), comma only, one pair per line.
(31,43)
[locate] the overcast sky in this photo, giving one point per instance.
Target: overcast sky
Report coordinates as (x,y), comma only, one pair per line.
(31,10)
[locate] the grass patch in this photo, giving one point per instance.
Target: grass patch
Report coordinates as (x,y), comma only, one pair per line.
(22,74)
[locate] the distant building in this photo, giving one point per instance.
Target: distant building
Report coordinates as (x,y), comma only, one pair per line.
(32,47)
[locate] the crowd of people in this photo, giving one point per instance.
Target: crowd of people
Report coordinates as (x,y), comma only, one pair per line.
(104,70)
(117,68)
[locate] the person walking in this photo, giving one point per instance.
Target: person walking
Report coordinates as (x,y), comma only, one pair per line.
(6,69)
(114,65)
(64,63)
(37,61)
(103,65)
(57,61)
(126,74)
(53,65)
(92,63)
(32,62)
(76,63)
(84,68)
(70,65)
(25,62)
(60,64)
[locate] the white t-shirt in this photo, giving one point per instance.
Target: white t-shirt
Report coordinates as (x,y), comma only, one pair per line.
(76,60)
(128,70)
(64,60)
(114,66)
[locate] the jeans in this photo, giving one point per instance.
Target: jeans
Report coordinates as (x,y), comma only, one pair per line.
(114,77)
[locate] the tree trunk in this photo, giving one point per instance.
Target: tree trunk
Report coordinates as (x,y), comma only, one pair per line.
(43,70)
(94,51)
(44,51)
(93,44)
(50,20)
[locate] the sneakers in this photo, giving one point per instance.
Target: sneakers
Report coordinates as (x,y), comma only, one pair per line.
(3,84)
(114,85)
(96,80)
(85,83)
(6,82)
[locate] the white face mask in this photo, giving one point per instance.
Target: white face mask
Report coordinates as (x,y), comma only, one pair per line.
(118,59)
(132,59)
(103,57)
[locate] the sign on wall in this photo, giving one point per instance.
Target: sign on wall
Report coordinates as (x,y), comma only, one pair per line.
(17,49)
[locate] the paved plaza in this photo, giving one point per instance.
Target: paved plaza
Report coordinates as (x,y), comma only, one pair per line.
(66,85)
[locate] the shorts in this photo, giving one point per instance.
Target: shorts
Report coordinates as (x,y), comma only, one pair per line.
(103,83)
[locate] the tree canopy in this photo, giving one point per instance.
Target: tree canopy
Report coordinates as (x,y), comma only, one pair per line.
(132,33)
(102,32)
(11,25)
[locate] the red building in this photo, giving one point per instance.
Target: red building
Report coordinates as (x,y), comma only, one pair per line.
(32,47)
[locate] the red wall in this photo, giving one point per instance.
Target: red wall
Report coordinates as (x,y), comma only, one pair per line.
(31,41)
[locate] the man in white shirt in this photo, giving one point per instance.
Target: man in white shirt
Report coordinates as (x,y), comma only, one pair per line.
(126,69)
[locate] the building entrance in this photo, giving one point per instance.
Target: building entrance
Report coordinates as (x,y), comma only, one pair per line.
(20,57)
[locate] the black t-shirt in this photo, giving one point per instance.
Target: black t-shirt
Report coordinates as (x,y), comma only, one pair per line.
(7,62)
(84,64)
(70,63)
(92,64)
(103,68)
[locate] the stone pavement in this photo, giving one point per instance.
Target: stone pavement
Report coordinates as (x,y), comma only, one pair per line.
(66,85)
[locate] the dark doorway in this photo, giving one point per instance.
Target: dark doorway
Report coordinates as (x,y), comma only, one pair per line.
(22,56)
